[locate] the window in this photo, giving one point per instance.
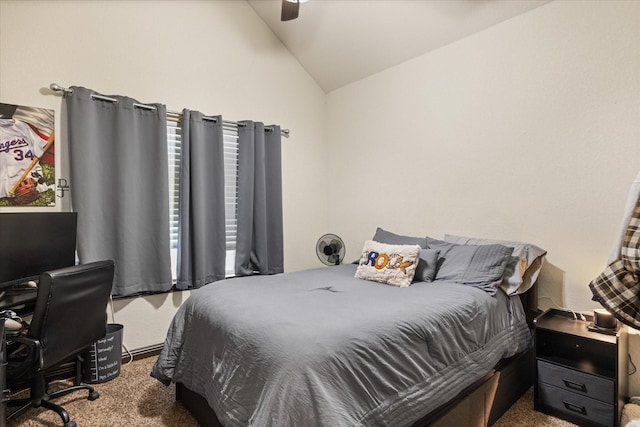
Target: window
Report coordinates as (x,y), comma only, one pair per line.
(230,133)
(174,142)
(174,139)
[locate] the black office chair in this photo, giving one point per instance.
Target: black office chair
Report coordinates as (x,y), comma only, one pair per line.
(69,316)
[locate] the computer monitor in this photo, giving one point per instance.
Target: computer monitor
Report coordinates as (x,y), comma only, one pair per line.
(34,242)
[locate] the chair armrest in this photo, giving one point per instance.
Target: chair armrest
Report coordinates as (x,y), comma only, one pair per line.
(32,362)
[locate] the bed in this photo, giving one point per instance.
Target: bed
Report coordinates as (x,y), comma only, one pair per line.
(323,347)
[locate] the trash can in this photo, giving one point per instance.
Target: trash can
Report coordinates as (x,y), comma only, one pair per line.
(103,359)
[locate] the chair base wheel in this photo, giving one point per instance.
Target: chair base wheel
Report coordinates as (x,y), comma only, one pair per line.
(70,424)
(93,395)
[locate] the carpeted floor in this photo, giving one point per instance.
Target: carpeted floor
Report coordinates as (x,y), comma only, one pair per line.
(131,399)
(521,414)
(136,399)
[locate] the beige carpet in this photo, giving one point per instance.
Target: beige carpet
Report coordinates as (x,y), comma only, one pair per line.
(521,414)
(131,399)
(136,399)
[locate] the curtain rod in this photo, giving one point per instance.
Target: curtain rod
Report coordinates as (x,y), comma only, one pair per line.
(57,88)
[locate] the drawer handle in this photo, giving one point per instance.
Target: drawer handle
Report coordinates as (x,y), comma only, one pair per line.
(575,408)
(575,386)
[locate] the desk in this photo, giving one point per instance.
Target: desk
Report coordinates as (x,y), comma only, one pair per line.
(21,301)
(3,377)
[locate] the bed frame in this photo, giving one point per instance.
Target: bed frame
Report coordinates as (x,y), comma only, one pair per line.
(479,405)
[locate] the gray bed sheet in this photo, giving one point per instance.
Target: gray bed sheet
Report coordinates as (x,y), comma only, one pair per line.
(322,348)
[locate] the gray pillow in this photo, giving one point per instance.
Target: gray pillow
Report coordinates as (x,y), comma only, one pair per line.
(481,266)
(426,265)
(522,269)
(388,237)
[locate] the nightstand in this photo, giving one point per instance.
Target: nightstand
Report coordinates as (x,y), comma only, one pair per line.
(581,376)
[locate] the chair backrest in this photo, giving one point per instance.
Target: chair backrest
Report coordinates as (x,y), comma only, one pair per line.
(71,310)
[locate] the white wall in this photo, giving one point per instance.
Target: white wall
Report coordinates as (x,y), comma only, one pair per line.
(214,56)
(529,130)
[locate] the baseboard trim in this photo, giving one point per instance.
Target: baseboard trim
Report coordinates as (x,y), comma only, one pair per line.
(141,353)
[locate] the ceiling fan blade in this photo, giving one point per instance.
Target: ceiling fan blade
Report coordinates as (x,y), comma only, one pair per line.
(289,10)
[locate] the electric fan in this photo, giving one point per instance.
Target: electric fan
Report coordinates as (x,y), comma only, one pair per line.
(330,249)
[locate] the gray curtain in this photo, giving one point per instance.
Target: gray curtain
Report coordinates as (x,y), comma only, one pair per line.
(259,248)
(119,187)
(201,241)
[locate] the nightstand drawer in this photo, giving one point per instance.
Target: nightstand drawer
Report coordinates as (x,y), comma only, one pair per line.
(576,382)
(577,405)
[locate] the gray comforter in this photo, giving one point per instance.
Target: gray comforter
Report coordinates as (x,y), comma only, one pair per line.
(322,348)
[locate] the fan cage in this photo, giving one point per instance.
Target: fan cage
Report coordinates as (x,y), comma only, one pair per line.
(330,249)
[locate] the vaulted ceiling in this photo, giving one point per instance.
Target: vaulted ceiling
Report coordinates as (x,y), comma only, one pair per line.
(342,41)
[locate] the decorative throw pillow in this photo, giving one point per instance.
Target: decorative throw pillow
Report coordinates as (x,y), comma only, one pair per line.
(390,264)
(522,268)
(426,270)
(481,266)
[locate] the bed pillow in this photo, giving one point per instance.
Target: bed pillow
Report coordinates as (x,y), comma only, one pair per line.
(426,269)
(384,236)
(480,266)
(522,268)
(427,265)
(390,264)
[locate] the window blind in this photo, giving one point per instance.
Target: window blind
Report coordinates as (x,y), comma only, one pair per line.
(174,143)
(230,133)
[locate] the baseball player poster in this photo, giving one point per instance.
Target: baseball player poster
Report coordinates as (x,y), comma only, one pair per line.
(27,156)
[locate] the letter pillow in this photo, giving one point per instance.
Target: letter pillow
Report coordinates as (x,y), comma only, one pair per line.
(389,264)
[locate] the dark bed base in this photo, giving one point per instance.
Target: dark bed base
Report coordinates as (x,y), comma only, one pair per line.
(481,404)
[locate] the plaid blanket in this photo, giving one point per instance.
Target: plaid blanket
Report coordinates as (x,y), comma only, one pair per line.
(617,288)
